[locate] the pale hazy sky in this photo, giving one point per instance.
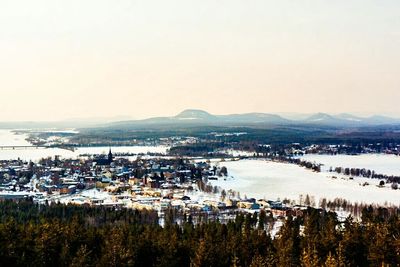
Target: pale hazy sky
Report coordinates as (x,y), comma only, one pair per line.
(84,58)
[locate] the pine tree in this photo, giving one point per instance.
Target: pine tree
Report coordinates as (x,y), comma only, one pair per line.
(341,261)
(82,258)
(288,244)
(235,261)
(330,261)
(309,257)
(200,258)
(262,219)
(258,261)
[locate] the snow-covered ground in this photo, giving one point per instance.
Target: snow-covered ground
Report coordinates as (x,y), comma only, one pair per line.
(272,180)
(380,163)
(9,138)
(238,153)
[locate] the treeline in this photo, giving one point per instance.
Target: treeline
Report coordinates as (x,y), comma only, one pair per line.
(366,173)
(65,236)
(27,211)
(357,172)
(204,149)
(300,162)
(356,208)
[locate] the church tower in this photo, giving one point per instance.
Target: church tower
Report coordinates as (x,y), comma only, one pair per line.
(110,156)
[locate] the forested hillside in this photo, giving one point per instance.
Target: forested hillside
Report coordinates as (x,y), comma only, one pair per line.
(60,235)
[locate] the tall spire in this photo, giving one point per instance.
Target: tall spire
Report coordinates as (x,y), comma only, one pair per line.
(110,156)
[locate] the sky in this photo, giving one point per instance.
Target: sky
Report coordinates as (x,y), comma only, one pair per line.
(103,58)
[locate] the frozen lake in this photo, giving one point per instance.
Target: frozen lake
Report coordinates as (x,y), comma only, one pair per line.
(380,163)
(8,138)
(272,180)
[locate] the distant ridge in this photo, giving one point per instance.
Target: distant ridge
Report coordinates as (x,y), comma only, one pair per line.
(346,119)
(197,117)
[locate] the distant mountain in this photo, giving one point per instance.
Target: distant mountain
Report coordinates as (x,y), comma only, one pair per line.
(196,117)
(321,118)
(378,119)
(253,118)
(294,116)
(345,119)
(332,120)
(195,114)
(349,117)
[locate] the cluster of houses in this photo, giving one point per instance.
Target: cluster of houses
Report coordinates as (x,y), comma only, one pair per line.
(151,183)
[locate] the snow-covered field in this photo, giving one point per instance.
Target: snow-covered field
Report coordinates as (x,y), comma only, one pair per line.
(380,163)
(272,180)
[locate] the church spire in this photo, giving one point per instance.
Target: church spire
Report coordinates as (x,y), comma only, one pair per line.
(110,156)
